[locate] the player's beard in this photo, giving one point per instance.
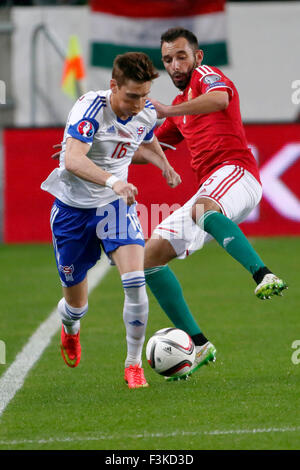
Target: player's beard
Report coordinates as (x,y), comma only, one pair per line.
(183,78)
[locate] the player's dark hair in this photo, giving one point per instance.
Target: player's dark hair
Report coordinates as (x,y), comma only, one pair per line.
(174,33)
(135,66)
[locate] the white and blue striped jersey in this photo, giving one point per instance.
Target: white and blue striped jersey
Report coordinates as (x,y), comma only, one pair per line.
(112,145)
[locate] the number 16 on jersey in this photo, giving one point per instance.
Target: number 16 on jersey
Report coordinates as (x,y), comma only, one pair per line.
(120,150)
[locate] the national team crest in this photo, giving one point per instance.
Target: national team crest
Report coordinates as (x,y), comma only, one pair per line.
(86,129)
(68,272)
(140,132)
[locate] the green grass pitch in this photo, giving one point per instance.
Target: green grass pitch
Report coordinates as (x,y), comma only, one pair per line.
(249,399)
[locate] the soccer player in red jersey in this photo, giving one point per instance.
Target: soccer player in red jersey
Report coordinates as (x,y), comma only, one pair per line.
(206,113)
(95,209)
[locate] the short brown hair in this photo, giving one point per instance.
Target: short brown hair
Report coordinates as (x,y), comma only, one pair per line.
(174,33)
(135,66)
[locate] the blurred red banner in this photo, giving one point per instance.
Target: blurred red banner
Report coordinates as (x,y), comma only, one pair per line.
(27,162)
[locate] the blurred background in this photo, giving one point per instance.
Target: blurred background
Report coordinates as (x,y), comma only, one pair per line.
(51,51)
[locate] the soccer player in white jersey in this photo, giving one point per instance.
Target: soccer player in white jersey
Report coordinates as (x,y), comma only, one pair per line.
(94,207)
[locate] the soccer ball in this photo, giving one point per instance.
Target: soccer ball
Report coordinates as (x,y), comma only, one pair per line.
(171,352)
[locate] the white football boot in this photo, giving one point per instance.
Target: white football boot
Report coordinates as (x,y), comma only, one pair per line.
(270,285)
(204,355)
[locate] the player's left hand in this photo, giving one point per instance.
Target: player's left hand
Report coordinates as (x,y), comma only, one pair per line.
(55,155)
(161,109)
(173,178)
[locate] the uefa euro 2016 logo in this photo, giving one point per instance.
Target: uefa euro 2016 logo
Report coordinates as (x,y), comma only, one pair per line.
(86,129)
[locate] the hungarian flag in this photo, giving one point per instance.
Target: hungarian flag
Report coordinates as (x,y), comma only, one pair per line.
(135,25)
(74,71)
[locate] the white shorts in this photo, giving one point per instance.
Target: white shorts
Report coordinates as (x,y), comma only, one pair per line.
(236,192)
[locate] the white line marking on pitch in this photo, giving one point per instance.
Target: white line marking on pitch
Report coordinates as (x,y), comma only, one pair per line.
(146,435)
(13,378)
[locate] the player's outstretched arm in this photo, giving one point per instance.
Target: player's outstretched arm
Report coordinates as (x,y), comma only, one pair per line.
(77,162)
(203,104)
(153,153)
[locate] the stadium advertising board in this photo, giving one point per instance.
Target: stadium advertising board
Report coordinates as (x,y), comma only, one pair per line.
(27,162)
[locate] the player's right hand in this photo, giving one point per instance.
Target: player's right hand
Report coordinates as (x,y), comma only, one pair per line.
(161,109)
(127,190)
(55,156)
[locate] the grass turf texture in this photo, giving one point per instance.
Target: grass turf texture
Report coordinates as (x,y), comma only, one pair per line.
(253,385)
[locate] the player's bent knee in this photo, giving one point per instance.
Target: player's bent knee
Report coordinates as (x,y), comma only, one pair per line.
(158,251)
(202,205)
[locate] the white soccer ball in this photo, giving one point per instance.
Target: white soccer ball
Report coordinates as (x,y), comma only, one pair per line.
(171,352)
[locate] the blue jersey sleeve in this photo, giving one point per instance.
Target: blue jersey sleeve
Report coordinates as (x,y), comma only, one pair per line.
(150,136)
(83,120)
(84,130)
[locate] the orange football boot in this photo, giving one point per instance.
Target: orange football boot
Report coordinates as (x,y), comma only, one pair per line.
(70,348)
(134,376)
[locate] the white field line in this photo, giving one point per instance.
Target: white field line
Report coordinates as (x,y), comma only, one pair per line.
(13,378)
(146,435)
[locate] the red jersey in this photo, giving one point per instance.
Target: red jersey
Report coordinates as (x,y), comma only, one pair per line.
(213,139)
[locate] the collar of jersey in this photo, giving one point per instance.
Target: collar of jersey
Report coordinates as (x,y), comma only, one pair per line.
(125,121)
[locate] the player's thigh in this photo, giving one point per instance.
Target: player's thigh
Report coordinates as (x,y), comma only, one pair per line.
(76,246)
(129,258)
(119,229)
(234,190)
(240,200)
(180,230)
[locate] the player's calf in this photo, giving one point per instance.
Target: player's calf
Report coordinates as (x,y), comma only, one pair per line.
(135,316)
